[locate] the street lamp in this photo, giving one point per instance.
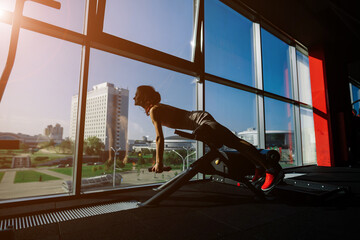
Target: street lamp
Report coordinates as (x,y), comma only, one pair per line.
(187,158)
(115,152)
(187,155)
(181,158)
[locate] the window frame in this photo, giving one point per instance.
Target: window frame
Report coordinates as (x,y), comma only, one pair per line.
(94,37)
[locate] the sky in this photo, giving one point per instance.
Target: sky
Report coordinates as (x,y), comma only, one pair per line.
(46,70)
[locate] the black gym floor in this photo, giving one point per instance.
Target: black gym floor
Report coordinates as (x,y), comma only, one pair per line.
(210,210)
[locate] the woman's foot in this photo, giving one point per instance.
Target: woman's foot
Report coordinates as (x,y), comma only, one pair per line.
(272,178)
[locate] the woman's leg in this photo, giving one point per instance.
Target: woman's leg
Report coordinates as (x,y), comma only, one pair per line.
(229,139)
(273,173)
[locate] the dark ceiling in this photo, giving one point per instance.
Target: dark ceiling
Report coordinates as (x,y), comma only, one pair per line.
(331,23)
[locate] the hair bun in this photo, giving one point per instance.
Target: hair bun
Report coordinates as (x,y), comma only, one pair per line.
(157,97)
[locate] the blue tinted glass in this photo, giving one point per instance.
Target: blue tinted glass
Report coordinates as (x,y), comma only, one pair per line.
(279,129)
(228,43)
(355,97)
(276,65)
(233,108)
(160,24)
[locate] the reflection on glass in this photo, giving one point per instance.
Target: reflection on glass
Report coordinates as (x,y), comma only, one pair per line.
(36,153)
(160,24)
(276,65)
(228,44)
(303,70)
(355,97)
(233,108)
(308,136)
(70,15)
(279,130)
(116,129)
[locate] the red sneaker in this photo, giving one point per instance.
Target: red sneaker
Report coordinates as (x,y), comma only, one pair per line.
(271,180)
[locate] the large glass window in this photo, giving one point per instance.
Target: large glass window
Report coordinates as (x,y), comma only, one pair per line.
(39,108)
(35,117)
(160,24)
(113,125)
(228,43)
(302,62)
(70,15)
(276,65)
(355,98)
(308,136)
(279,130)
(233,108)
(355,122)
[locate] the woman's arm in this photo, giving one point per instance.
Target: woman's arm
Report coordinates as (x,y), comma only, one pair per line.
(158,167)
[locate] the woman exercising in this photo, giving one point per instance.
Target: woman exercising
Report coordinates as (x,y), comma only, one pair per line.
(172,117)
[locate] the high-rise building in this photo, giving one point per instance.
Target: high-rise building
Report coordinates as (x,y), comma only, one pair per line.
(54,132)
(106,115)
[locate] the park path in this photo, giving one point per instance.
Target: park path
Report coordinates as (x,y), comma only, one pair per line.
(8,177)
(54,174)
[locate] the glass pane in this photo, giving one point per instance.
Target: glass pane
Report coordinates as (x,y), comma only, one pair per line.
(279,130)
(233,108)
(355,99)
(303,70)
(276,65)
(355,124)
(228,44)
(69,16)
(37,154)
(308,136)
(8,5)
(112,121)
(160,24)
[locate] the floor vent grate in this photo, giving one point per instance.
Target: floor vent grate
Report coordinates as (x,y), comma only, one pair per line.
(17,223)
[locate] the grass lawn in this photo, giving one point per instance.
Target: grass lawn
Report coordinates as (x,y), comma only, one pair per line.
(40,157)
(87,171)
(1,175)
(96,170)
(67,170)
(32,176)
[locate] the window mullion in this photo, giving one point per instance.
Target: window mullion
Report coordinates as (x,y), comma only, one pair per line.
(259,84)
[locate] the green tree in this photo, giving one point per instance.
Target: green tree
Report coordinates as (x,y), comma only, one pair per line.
(66,145)
(93,146)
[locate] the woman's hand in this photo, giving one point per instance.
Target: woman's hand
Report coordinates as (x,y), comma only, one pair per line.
(158,168)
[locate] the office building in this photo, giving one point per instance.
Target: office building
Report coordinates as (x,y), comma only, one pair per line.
(106,115)
(54,133)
